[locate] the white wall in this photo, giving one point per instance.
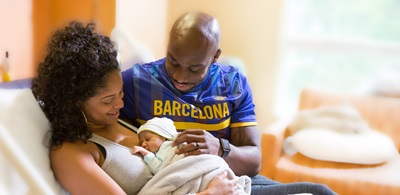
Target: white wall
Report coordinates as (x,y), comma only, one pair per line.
(145,21)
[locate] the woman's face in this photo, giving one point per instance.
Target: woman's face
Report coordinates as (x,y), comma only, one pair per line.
(150,141)
(103,108)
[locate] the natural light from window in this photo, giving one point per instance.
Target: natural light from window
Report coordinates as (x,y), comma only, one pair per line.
(338,45)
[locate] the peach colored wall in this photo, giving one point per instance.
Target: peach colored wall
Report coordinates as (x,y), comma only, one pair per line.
(25,26)
(100,11)
(250,31)
(16,36)
(49,14)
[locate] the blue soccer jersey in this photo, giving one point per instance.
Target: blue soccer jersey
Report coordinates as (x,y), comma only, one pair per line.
(221,101)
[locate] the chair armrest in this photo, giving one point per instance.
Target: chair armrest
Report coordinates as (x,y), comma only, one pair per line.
(271,146)
(14,156)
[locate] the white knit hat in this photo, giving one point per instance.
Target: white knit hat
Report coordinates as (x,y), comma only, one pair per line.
(161,126)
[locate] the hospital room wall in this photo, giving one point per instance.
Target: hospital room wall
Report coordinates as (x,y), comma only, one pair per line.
(27,24)
(250,31)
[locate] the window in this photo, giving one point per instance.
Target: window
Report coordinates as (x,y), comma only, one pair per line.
(336,45)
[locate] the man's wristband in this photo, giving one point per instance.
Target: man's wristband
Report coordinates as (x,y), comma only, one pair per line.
(225,146)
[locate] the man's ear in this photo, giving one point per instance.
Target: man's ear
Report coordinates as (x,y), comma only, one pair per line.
(216,55)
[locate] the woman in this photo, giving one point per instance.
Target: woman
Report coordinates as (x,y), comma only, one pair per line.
(79,88)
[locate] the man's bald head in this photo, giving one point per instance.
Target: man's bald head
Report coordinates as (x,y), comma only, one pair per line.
(197,28)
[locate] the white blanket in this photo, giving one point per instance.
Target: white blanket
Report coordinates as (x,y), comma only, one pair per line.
(190,175)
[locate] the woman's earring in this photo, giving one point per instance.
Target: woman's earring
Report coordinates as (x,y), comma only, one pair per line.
(84,116)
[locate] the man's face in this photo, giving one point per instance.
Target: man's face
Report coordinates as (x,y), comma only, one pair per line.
(187,64)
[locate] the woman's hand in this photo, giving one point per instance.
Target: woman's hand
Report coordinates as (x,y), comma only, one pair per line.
(222,185)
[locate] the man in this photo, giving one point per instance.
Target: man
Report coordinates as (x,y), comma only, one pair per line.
(210,103)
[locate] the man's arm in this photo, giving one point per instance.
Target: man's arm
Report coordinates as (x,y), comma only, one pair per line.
(245,155)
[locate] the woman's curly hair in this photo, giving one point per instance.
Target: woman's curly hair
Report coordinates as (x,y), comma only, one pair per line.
(78,64)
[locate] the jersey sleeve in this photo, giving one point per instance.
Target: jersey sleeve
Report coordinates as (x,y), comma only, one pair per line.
(243,113)
(128,111)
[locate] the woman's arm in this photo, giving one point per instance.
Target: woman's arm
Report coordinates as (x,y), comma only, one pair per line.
(75,167)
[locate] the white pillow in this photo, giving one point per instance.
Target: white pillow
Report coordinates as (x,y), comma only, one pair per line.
(23,129)
(343,118)
(369,147)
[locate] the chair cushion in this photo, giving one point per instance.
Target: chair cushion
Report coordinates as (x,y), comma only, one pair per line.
(371,147)
(338,133)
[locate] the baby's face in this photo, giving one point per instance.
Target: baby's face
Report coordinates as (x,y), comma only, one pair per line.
(150,141)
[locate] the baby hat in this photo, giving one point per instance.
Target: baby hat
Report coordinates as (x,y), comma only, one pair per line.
(161,126)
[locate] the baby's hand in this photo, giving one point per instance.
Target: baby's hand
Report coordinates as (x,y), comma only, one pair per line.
(140,150)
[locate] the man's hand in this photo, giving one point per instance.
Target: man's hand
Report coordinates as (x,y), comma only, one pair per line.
(245,155)
(198,141)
